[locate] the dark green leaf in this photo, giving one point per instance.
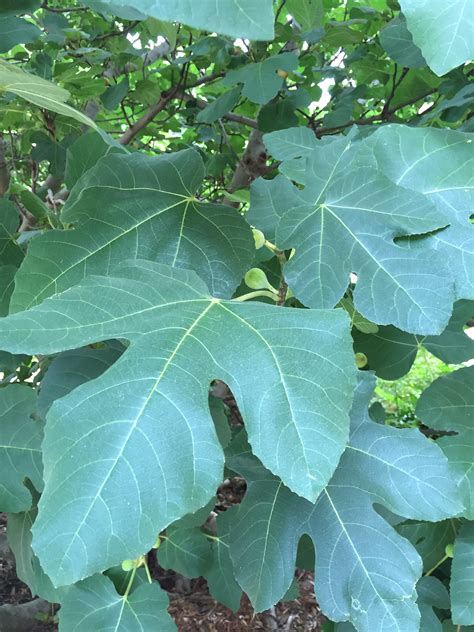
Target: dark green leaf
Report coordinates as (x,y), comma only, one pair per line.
(431,594)
(222,105)
(72,368)
(15,31)
(115,94)
(137,205)
(462,577)
(28,568)
(261,81)
(391,352)
(448,404)
(20,447)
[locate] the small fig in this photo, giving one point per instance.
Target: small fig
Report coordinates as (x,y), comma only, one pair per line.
(259,238)
(256,279)
(282,73)
(361,360)
(128,565)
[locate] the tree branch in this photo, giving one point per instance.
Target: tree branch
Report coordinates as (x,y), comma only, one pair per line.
(323,131)
(148,117)
(4,169)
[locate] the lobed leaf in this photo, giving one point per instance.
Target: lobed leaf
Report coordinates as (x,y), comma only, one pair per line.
(345,221)
(128,453)
(137,206)
(399,469)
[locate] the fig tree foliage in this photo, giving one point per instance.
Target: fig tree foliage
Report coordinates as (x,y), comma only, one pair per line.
(225,226)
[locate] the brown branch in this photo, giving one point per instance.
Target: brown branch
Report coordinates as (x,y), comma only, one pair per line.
(66,10)
(148,117)
(4,169)
(323,131)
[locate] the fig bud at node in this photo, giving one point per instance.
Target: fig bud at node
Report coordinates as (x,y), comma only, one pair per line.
(361,360)
(259,238)
(257,280)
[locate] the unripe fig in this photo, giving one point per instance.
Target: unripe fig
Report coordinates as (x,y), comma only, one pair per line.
(128,565)
(361,360)
(449,550)
(259,238)
(257,280)
(282,73)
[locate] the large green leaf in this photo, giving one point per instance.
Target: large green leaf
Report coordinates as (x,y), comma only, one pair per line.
(399,469)
(20,447)
(397,41)
(448,404)
(237,18)
(111,486)
(443,31)
(144,207)
(36,90)
(15,31)
(94,604)
(261,81)
(440,164)
(391,352)
(345,221)
(462,577)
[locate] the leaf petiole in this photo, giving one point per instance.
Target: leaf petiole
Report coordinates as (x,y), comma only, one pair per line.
(256,294)
(130,583)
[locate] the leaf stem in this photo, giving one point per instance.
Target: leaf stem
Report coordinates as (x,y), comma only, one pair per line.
(270,246)
(147,571)
(256,294)
(130,583)
(441,561)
